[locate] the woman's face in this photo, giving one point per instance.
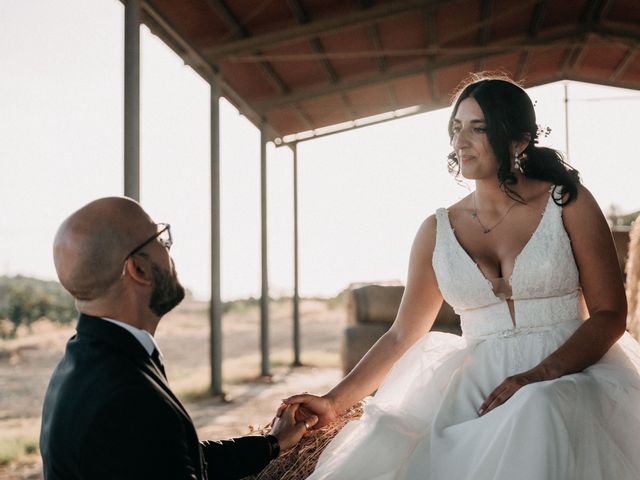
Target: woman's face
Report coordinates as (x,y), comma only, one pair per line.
(470,142)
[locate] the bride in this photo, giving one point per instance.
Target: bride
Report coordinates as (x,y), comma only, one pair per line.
(544,383)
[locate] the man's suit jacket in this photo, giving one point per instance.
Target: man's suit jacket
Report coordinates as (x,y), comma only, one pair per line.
(110,414)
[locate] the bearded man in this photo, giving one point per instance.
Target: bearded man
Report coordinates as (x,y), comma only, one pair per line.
(109,412)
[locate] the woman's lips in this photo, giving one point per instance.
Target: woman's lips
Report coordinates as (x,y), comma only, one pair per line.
(466,158)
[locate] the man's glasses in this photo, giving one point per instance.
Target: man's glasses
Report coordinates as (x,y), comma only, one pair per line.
(163,235)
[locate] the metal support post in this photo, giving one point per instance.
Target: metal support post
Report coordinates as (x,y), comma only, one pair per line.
(264,299)
(215,312)
(132,99)
(296,292)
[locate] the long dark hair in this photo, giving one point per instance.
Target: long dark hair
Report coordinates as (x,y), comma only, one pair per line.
(509,116)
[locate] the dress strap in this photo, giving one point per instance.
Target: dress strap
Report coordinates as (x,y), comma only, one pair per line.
(442,226)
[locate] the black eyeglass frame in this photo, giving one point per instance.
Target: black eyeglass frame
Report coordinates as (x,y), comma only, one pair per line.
(162,227)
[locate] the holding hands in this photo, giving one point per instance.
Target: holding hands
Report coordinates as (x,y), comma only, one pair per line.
(314,410)
(288,428)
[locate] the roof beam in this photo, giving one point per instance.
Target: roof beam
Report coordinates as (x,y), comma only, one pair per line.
(590,19)
(537,17)
(523,65)
(222,10)
(596,10)
(573,55)
(624,64)
(303,17)
(391,95)
(192,57)
(632,85)
(273,77)
(355,126)
(432,38)
(534,29)
(374,36)
(498,49)
(320,27)
(618,34)
(485,30)
(518,8)
(308,123)
(342,86)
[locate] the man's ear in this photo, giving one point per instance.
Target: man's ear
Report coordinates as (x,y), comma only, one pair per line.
(139,270)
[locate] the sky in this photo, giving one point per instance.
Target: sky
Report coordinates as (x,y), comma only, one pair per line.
(362,194)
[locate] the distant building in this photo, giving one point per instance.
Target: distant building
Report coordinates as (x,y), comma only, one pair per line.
(617,220)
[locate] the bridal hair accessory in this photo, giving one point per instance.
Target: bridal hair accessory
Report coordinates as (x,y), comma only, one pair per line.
(544,131)
(474,215)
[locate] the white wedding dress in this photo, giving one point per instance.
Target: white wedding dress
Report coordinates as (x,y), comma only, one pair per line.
(423,422)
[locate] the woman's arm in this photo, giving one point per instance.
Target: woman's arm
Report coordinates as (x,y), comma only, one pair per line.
(603,290)
(418,309)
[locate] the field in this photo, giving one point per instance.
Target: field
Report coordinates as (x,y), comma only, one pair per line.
(27,361)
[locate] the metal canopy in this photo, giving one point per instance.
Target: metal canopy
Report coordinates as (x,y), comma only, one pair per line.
(308,65)
(301,69)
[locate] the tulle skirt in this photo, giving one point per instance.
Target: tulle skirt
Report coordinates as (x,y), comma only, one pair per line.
(423,423)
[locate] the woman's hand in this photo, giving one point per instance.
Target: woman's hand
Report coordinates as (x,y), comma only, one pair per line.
(311,406)
(506,389)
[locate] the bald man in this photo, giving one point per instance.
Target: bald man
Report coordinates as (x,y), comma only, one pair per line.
(109,412)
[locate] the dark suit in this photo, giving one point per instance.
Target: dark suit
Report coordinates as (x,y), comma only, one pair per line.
(110,414)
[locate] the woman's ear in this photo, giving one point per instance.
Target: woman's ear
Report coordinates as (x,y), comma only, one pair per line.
(521,145)
(138,269)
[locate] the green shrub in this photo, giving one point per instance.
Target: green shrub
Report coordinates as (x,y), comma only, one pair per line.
(24,300)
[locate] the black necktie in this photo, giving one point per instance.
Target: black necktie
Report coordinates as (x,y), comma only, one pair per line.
(155,357)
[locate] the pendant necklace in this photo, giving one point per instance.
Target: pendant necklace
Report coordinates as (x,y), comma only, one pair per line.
(474,215)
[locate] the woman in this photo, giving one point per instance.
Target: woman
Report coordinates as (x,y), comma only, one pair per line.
(541,385)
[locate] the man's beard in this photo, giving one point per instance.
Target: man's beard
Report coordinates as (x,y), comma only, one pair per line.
(167,291)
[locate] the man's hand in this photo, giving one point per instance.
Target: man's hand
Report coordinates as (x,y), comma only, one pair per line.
(287,430)
(311,406)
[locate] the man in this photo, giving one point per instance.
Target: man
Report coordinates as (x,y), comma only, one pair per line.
(109,412)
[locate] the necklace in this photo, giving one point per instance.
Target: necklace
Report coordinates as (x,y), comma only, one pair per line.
(474,215)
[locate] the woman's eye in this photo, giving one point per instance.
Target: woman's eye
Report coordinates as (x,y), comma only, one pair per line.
(455,129)
(480,130)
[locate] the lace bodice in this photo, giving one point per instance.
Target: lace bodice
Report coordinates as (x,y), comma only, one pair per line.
(545,286)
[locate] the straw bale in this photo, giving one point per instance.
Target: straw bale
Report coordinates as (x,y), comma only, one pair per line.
(633,281)
(374,303)
(299,462)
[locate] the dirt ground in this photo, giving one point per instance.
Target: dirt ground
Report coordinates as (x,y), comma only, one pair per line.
(26,364)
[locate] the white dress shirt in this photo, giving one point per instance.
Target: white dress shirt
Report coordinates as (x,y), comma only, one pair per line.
(144,337)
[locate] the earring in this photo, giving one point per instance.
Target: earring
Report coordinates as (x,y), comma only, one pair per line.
(518,160)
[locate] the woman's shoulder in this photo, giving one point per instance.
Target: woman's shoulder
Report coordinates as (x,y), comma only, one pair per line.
(583,202)
(583,214)
(428,227)
(427,232)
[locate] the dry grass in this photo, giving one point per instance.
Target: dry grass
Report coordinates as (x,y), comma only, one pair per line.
(300,461)
(18,439)
(26,364)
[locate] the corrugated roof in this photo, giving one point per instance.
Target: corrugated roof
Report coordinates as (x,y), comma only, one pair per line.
(303,65)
